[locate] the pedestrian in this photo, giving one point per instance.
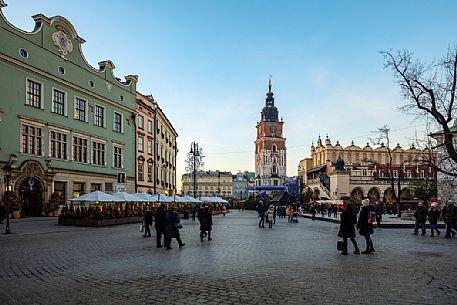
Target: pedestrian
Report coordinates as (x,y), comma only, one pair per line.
(159,225)
(347,230)
(378,212)
(206,222)
(172,226)
(289,213)
(433,217)
(421,217)
(193,210)
(224,210)
(275,209)
(450,218)
(260,210)
(147,222)
(313,212)
(2,212)
(329,211)
(335,211)
(269,213)
(365,224)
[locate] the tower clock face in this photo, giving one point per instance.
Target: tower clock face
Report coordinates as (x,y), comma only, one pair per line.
(273,128)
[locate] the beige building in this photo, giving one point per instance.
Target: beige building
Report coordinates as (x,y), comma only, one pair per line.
(208,183)
(334,171)
(156,148)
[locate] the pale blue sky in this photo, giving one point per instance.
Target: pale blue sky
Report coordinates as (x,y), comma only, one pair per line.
(207,64)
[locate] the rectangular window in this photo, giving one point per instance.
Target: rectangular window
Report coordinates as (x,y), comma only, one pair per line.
(422,174)
(140,144)
(60,188)
(99,116)
(34,94)
(80,109)
(32,140)
(409,174)
(95,187)
(381,174)
(117,157)
(117,122)
(80,150)
(78,189)
(58,102)
(140,122)
(149,147)
(109,187)
(149,126)
(59,145)
(140,171)
(364,172)
(149,171)
(98,153)
(395,174)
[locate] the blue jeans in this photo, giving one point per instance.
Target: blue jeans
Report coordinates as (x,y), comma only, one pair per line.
(434,227)
(421,224)
(262,220)
(449,229)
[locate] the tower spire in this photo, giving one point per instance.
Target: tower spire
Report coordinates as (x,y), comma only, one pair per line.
(269,83)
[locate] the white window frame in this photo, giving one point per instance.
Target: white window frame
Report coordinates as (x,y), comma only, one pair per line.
(395,173)
(149,141)
(86,119)
(89,147)
(422,173)
(65,101)
(41,93)
(409,174)
(142,144)
(114,121)
(36,125)
(69,142)
(142,122)
(95,140)
(122,155)
(104,115)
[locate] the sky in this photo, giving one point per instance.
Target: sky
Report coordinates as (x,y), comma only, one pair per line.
(207,64)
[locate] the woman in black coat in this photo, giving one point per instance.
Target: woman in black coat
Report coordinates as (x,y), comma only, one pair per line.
(172,226)
(206,222)
(347,230)
(365,224)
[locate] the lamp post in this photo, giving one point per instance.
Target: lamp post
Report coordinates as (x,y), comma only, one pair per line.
(194,150)
(7,174)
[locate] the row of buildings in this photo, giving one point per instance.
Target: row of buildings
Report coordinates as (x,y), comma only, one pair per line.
(70,128)
(218,183)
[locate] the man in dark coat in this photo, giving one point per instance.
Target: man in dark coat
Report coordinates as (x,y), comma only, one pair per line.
(206,222)
(365,224)
(347,230)
(421,217)
(172,226)
(147,223)
(450,218)
(261,212)
(160,224)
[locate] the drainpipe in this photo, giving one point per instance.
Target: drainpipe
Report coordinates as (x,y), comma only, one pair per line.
(135,150)
(155,150)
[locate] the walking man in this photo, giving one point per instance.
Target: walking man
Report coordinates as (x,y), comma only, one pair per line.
(193,210)
(206,222)
(147,222)
(160,224)
(421,217)
(450,217)
(261,211)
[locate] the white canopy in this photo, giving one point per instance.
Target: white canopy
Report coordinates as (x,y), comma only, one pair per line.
(191,199)
(163,198)
(96,196)
(146,197)
(123,196)
(179,199)
(213,200)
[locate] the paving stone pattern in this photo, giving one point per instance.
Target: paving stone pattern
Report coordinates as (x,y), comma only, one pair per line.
(288,264)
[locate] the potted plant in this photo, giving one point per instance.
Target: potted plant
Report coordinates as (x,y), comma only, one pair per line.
(54,203)
(15,203)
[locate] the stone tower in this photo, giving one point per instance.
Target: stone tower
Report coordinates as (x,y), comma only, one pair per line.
(270,146)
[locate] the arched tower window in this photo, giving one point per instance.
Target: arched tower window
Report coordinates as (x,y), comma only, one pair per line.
(273,148)
(274,169)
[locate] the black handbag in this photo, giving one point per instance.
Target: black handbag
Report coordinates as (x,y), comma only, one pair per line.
(340,245)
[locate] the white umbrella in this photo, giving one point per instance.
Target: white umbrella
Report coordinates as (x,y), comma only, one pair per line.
(96,196)
(179,199)
(164,198)
(123,196)
(146,197)
(190,199)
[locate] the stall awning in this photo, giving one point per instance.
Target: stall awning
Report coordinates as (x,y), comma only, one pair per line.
(266,188)
(316,169)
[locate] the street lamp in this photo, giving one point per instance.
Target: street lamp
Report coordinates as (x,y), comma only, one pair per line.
(7,174)
(195,153)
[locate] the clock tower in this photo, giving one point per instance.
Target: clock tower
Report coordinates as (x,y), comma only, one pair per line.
(270,146)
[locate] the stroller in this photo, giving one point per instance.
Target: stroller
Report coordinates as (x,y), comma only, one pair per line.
(294,217)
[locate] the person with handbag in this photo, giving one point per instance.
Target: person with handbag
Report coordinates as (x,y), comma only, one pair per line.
(347,230)
(159,224)
(147,222)
(206,222)
(365,224)
(172,226)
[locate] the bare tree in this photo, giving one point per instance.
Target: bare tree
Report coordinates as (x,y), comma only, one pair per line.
(194,160)
(430,90)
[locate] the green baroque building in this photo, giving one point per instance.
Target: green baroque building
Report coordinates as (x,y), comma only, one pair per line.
(65,126)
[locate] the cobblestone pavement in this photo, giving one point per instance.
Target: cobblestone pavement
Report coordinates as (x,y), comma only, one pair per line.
(288,264)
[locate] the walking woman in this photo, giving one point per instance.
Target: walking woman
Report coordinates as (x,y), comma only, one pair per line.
(365,224)
(347,230)
(206,222)
(433,217)
(172,226)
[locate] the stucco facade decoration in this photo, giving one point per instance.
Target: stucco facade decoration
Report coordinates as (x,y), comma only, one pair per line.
(209,183)
(335,172)
(61,129)
(241,182)
(447,184)
(270,145)
(156,148)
